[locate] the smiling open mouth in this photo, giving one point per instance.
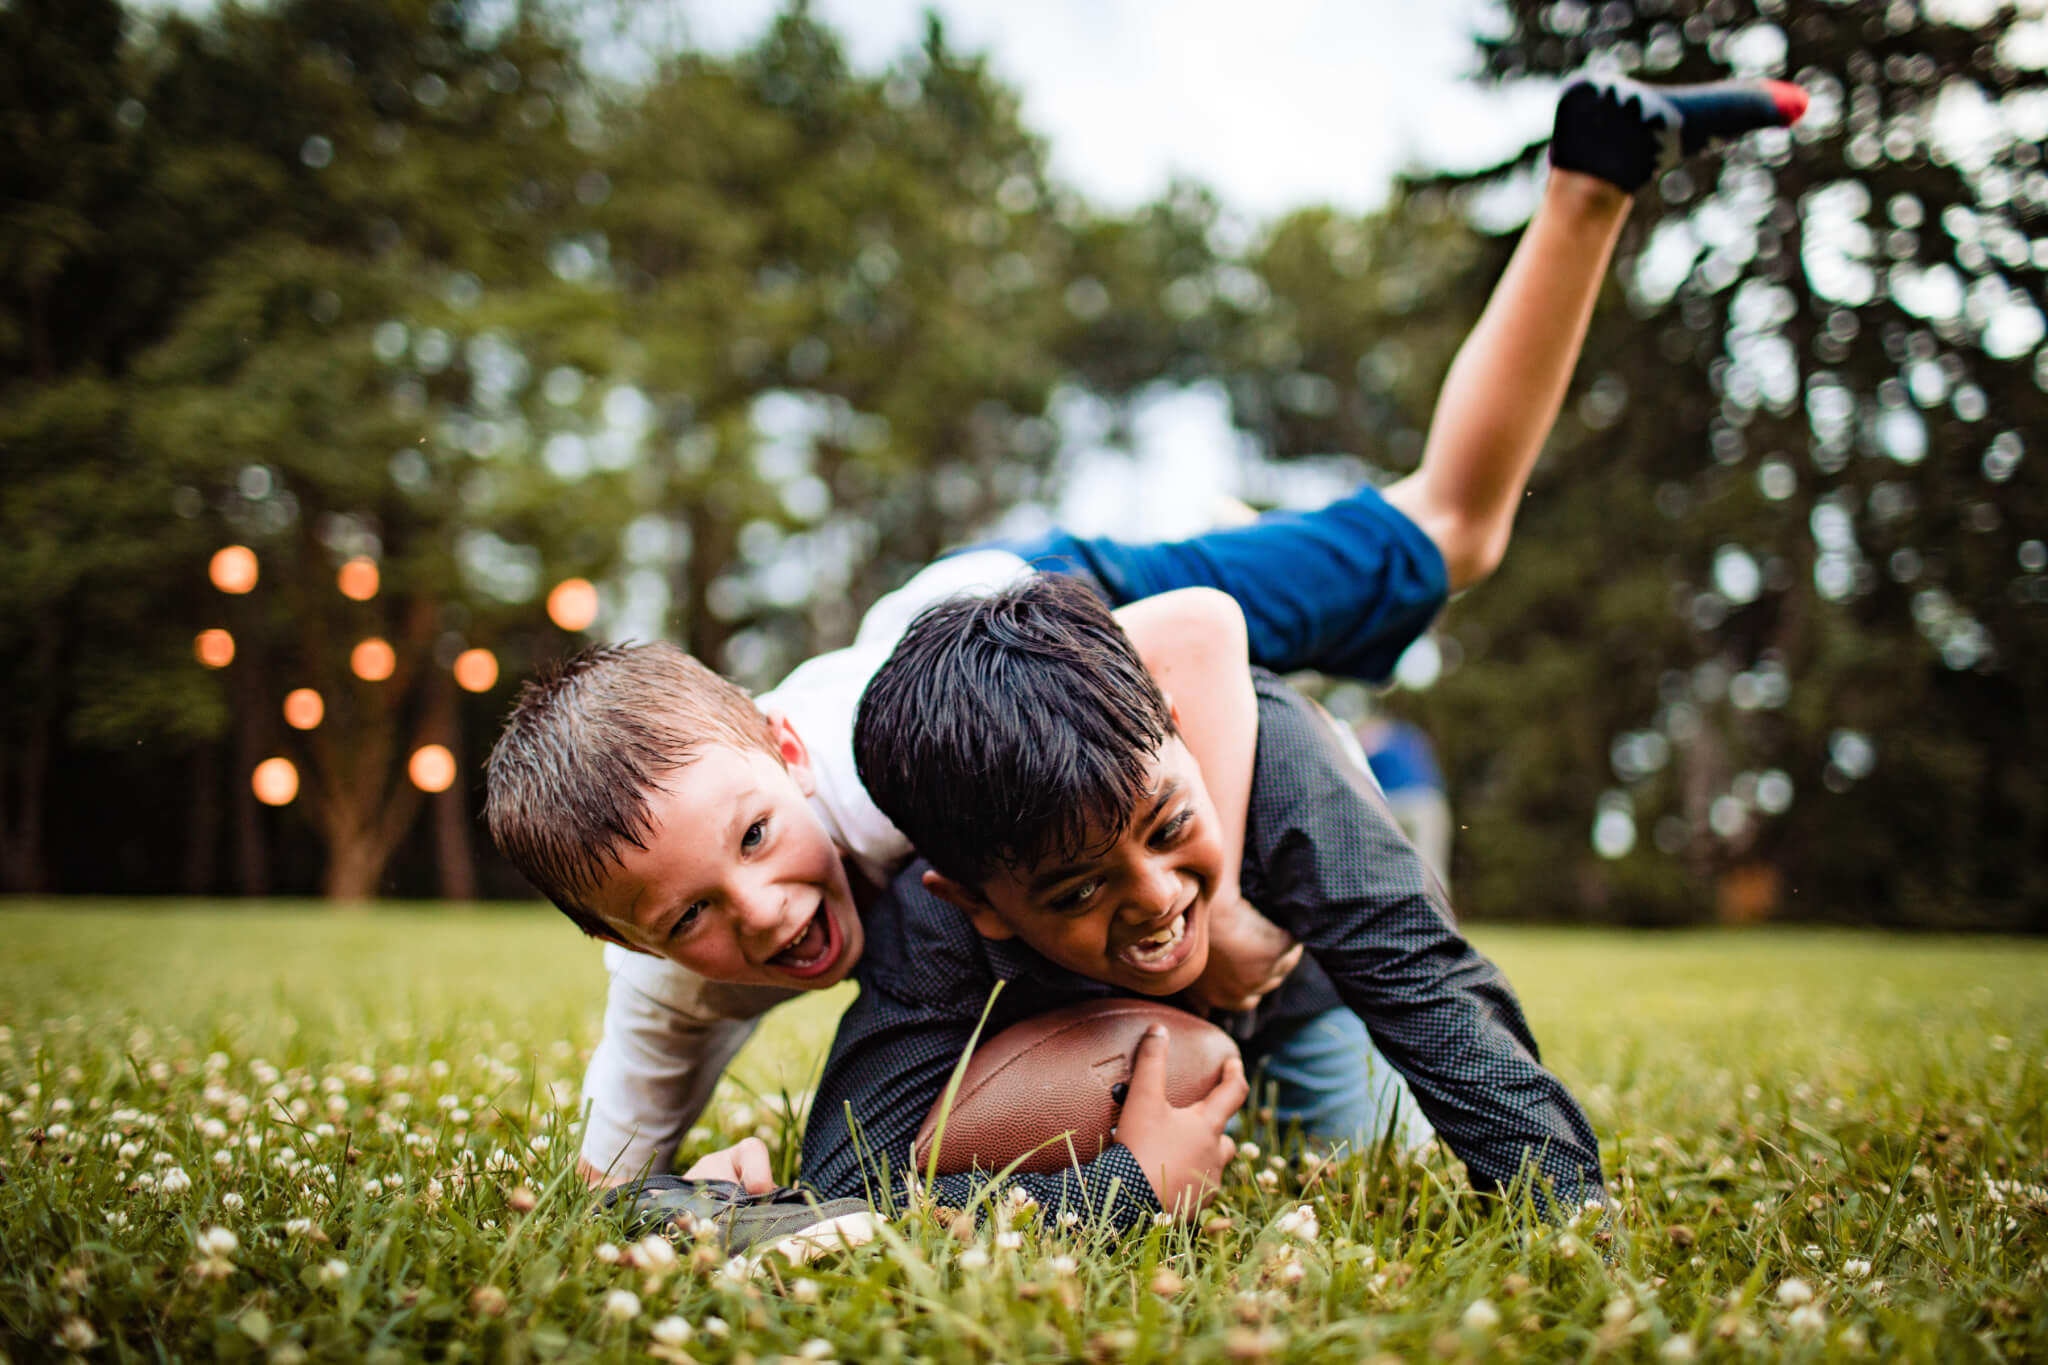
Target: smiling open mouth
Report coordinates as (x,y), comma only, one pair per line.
(814,951)
(1162,950)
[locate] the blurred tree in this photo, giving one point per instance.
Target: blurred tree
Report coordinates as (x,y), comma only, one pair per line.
(1791,524)
(407,303)
(86,535)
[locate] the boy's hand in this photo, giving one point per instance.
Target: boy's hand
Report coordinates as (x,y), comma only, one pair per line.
(1248,955)
(745,1163)
(1181,1151)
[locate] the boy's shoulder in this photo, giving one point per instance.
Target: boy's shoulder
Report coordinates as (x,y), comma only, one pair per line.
(925,953)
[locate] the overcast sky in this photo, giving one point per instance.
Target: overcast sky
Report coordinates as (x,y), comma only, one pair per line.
(1275,104)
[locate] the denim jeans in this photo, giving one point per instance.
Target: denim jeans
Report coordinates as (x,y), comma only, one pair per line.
(1328,1078)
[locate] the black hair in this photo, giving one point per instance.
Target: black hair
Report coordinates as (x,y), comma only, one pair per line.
(1004,728)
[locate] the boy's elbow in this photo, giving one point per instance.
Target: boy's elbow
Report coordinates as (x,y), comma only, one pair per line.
(1472,550)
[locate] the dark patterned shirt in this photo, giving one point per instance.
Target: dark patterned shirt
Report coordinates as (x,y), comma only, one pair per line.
(1323,859)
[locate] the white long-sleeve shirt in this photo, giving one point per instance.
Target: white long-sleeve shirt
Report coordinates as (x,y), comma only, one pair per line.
(669,1034)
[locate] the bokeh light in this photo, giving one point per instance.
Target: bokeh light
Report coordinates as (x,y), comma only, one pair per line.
(303,708)
(373,660)
(432,768)
(476,670)
(233,569)
(358,579)
(275,781)
(573,604)
(214,648)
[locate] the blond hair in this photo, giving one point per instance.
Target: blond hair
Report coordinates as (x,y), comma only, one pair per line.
(567,782)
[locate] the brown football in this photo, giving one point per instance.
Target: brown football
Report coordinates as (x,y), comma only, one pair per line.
(1037,1084)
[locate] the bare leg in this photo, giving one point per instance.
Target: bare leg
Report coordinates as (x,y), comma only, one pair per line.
(1508,382)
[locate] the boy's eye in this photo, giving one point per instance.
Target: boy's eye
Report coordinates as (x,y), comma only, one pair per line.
(1078,895)
(1175,827)
(756,832)
(686,919)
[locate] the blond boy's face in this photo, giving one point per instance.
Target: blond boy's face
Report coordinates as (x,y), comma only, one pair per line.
(739,881)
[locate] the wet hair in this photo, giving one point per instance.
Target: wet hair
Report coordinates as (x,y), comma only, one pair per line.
(566,784)
(1005,728)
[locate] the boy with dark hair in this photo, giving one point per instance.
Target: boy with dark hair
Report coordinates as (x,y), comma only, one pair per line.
(727,875)
(1072,852)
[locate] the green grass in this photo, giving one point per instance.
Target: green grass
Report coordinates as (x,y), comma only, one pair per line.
(1775,1106)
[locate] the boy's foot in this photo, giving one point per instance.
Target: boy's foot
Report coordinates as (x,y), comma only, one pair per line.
(1623,131)
(678,1206)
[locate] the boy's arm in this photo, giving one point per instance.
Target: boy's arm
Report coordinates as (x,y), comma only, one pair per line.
(1333,867)
(1193,643)
(668,1037)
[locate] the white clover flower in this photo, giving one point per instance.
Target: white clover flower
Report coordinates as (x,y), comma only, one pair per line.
(1856,1269)
(1248,1151)
(622,1303)
(817,1348)
(1810,1317)
(76,1334)
(1793,1292)
(117,1221)
(1480,1316)
(287,1353)
(1268,1179)
(655,1252)
(1299,1223)
(161,1158)
(1021,1200)
(804,1291)
(1009,1240)
(607,1253)
(1162,1219)
(716,1327)
(333,1270)
(217,1241)
(974,1258)
(1812,1252)
(1062,1265)
(175,1181)
(1677,1351)
(213,1130)
(127,1152)
(1068,1218)
(672,1331)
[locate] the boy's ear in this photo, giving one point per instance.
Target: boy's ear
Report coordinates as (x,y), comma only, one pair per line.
(795,756)
(972,903)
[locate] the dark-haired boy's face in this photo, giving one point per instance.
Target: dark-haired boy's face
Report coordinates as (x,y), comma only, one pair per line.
(739,881)
(1132,909)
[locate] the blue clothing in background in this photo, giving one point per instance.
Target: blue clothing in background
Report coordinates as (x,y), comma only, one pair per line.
(1403,760)
(1343,589)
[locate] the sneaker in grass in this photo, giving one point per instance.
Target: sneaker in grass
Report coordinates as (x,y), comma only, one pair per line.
(676,1206)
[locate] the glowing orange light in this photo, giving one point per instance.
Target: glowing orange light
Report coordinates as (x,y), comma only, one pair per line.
(275,782)
(373,660)
(573,604)
(215,648)
(358,579)
(432,768)
(303,708)
(476,670)
(233,569)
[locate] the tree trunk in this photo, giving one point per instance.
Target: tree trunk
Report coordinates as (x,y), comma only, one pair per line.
(452,847)
(21,834)
(252,860)
(205,826)
(355,866)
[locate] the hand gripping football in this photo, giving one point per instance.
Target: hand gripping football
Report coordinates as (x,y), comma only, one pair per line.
(1037,1085)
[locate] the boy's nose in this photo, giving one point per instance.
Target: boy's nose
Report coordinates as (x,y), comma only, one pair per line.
(1153,892)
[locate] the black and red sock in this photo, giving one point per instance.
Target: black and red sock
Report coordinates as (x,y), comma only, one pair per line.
(1624,132)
